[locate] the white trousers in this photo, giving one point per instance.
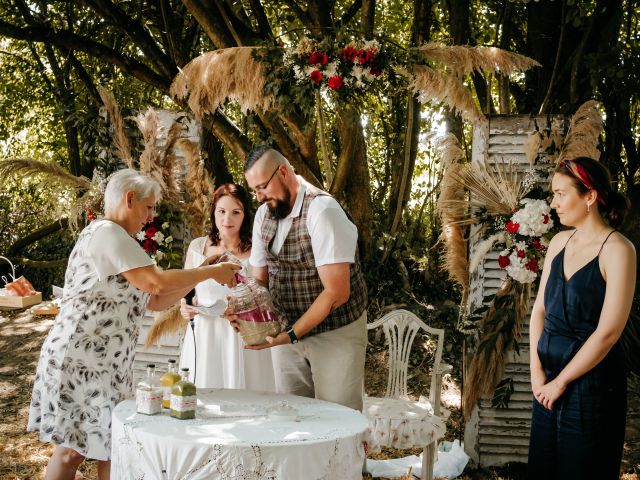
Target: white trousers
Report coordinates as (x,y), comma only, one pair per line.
(327,366)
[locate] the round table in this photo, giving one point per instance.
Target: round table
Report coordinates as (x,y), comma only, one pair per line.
(236,436)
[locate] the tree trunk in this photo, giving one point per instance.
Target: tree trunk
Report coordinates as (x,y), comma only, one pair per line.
(401,186)
(351,184)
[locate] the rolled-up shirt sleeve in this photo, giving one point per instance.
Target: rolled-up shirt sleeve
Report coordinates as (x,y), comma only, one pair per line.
(334,237)
(113,251)
(258,256)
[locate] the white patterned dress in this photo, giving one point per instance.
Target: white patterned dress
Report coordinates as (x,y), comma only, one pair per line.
(86,361)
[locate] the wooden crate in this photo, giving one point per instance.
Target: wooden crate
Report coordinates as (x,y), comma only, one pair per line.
(20,302)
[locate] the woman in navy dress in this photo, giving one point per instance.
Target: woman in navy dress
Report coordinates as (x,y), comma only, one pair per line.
(578,374)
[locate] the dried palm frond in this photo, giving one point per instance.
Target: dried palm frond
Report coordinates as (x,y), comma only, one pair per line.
(120,139)
(532,146)
(166,322)
(91,200)
(583,133)
(501,328)
(463,59)
(227,74)
(198,185)
(429,84)
(482,249)
(495,189)
(83,193)
(170,164)
(52,173)
(451,208)
(150,163)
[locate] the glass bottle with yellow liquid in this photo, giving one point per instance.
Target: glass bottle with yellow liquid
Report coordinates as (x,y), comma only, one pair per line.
(183,398)
(170,377)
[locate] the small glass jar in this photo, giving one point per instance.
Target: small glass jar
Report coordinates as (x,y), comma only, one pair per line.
(149,393)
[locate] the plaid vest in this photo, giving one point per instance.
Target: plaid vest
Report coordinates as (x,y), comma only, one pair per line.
(294,282)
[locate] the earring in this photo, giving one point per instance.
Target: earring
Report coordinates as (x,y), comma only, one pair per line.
(588,206)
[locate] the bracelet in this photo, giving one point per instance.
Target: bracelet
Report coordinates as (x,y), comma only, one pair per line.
(292,335)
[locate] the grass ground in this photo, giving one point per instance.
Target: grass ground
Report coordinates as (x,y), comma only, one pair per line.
(24,457)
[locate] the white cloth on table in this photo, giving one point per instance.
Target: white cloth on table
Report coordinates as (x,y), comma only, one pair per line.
(233,437)
(85,365)
(222,360)
(401,423)
(333,236)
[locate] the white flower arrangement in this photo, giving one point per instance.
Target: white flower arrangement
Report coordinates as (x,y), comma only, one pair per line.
(533,218)
(524,256)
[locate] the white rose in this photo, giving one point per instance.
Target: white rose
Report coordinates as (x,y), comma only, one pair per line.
(158,237)
(168,240)
(140,235)
(165,225)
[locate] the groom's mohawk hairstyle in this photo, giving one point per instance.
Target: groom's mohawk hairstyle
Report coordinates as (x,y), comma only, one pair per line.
(256,154)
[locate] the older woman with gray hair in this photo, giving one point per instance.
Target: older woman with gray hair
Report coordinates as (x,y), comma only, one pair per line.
(86,361)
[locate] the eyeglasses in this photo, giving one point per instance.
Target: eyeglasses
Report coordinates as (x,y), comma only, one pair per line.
(261,188)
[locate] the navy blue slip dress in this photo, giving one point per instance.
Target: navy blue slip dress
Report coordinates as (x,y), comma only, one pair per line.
(583,435)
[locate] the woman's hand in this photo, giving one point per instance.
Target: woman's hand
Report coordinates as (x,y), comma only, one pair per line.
(225,273)
(538,378)
(211,260)
(187,311)
(549,393)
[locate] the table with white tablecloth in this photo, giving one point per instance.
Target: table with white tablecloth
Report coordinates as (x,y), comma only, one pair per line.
(240,434)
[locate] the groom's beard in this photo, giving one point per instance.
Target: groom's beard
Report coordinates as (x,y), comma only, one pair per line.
(282,208)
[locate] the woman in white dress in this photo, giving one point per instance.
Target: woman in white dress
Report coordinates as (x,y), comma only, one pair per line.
(86,362)
(221,361)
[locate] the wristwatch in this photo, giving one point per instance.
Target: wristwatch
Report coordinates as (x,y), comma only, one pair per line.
(292,335)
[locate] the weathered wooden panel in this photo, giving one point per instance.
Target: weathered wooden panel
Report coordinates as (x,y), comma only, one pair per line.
(497,436)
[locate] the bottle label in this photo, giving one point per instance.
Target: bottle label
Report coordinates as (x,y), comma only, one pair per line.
(166,394)
(149,400)
(183,404)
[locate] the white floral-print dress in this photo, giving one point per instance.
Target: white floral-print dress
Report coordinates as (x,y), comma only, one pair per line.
(86,361)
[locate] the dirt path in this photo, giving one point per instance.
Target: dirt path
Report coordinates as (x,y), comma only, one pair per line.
(24,457)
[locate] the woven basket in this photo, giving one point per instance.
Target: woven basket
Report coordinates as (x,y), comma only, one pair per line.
(255,333)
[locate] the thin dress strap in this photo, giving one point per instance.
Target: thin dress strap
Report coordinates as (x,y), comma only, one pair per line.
(574,232)
(605,241)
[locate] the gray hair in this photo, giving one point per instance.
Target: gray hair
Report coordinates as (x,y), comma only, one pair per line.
(128,179)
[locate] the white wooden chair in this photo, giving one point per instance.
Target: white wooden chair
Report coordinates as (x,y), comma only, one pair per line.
(395,420)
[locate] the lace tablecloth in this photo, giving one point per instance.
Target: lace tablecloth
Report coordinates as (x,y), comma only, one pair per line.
(233,437)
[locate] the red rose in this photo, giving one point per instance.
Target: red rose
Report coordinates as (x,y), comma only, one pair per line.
(521,254)
(150,232)
(336,82)
(532,265)
(349,53)
(318,58)
(150,246)
(545,219)
(90,216)
(503,261)
(316,76)
(512,228)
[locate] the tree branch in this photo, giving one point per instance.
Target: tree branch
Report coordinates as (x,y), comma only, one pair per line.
(263,22)
(350,13)
(137,33)
(37,235)
(65,39)
(215,29)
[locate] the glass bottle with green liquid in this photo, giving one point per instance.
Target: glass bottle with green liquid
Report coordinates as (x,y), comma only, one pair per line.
(170,377)
(183,398)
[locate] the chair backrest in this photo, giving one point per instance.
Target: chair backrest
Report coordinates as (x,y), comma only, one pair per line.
(400,328)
